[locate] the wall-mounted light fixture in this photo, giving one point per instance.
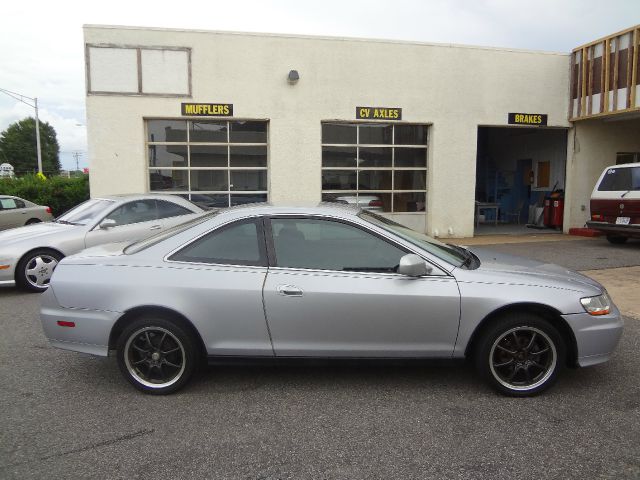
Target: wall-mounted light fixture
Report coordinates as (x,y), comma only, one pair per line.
(293,77)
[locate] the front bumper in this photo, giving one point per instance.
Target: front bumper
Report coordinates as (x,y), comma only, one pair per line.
(7,275)
(90,333)
(596,336)
(607,228)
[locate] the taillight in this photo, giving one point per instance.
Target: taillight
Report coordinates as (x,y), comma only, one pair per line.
(48,210)
(64,323)
(375,203)
(597,216)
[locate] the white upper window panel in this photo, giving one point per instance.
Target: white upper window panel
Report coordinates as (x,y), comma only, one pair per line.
(165,72)
(113,70)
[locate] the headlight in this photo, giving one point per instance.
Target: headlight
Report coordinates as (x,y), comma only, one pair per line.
(600,305)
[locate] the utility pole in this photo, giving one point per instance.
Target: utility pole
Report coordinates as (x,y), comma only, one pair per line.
(38,137)
(77,156)
(21,98)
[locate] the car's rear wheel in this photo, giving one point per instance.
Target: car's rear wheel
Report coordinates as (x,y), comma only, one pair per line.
(616,239)
(520,355)
(156,355)
(31,221)
(34,270)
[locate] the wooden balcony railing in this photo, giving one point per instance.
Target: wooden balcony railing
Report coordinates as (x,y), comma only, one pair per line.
(605,75)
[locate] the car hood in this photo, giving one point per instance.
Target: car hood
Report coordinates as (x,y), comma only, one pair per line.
(528,271)
(29,232)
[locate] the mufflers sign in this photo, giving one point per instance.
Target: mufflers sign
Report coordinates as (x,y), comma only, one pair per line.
(208,109)
(527,119)
(378,113)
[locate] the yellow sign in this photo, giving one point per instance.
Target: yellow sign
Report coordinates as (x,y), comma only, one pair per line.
(527,119)
(378,113)
(207,109)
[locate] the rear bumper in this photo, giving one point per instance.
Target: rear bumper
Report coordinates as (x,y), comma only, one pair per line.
(91,330)
(614,229)
(596,336)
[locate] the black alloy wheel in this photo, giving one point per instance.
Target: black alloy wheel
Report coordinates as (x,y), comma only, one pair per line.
(156,355)
(520,355)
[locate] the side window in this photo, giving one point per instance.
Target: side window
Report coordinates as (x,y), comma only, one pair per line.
(331,245)
(134,212)
(169,209)
(241,243)
(7,203)
(20,204)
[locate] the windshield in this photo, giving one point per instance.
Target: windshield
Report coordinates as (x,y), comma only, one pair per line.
(620,179)
(85,213)
(454,256)
(151,241)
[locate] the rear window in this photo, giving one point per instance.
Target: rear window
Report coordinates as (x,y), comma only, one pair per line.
(620,179)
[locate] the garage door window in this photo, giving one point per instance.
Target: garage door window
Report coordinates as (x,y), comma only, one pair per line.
(375,165)
(219,163)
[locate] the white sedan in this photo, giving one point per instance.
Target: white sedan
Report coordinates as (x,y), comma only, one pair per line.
(28,255)
(18,212)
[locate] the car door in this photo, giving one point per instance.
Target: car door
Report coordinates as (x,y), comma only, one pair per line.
(218,277)
(133,220)
(333,291)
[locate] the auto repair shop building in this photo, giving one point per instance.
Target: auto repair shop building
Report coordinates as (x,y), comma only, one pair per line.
(438,137)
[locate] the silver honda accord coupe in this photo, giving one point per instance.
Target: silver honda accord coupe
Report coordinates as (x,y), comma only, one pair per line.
(330,281)
(28,255)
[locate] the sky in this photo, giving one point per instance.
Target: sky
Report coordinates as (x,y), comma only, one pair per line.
(42,53)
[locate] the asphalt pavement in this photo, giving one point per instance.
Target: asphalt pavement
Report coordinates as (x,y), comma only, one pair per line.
(68,415)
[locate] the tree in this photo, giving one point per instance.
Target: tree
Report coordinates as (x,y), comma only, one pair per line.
(18,147)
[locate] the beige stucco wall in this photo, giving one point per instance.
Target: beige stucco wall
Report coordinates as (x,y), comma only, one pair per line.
(593,145)
(454,88)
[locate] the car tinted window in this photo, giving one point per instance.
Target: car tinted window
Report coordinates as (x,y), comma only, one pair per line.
(241,243)
(441,250)
(20,204)
(620,179)
(134,212)
(168,209)
(331,245)
(8,203)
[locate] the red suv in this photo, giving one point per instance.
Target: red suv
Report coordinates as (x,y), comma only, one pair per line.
(615,203)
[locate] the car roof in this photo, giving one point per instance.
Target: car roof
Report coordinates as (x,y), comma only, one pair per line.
(150,196)
(323,208)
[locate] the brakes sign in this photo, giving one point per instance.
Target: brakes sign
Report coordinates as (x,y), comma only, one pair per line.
(527,119)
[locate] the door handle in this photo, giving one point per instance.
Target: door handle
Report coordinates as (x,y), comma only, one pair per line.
(289,290)
(156,227)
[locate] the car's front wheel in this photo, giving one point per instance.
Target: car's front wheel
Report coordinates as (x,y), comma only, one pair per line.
(34,270)
(520,355)
(156,355)
(616,239)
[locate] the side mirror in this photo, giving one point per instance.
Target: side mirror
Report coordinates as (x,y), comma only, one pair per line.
(412,265)
(107,223)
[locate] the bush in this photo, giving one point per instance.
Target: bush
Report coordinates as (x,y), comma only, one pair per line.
(59,193)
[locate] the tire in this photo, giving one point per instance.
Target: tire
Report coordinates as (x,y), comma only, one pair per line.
(617,240)
(34,270)
(31,221)
(156,355)
(528,369)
